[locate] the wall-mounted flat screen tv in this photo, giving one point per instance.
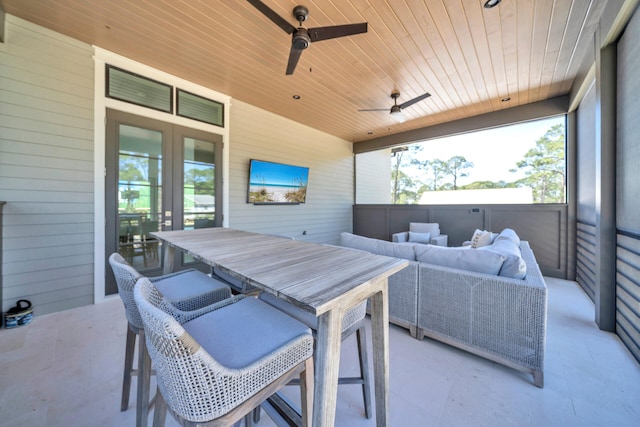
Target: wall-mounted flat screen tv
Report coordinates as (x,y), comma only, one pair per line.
(277,183)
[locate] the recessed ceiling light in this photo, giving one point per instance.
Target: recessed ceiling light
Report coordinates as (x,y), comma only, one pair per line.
(296,97)
(491,3)
(505,99)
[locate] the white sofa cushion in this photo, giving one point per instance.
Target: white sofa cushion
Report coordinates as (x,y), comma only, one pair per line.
(486,262)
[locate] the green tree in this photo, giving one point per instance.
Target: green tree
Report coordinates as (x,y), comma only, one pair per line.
(131,169)
(544,167)
(436,170)
(404,187)
(456,167)
(408,191)
(202,180)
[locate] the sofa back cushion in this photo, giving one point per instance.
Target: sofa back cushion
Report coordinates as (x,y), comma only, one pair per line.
(508,234)
(486,262)
(508,244)
(425,227)
(378,247)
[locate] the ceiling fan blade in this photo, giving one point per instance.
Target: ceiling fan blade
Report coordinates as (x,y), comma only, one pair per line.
(376,109)
(414,100)
(332,32)
(273,16)
(294,56)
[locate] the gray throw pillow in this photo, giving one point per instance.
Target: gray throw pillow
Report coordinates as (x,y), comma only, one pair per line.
(419,237)
(486,262)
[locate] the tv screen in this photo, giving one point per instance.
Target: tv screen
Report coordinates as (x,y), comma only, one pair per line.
(277,183)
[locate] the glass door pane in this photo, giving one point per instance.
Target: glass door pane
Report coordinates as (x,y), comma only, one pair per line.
(199,201)
(159,177)
(139,195)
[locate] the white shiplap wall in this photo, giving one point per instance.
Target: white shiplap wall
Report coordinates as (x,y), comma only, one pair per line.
(46,168)
(258,134)
(373,177)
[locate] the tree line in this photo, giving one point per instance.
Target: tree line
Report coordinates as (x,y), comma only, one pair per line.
(542,166)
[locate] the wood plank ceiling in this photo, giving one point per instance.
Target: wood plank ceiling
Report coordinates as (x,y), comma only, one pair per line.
(468,57)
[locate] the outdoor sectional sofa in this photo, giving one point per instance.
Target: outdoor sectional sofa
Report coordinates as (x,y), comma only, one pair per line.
(500,318)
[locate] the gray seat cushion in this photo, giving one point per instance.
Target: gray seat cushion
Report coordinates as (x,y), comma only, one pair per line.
(173,286)
(243,333)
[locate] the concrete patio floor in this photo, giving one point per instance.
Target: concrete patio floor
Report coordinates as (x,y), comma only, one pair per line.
(65,369)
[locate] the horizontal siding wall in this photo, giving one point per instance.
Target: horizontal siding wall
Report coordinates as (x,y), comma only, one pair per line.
(46,168)
(258,134)
(586,258)
(628,292)
(373,177)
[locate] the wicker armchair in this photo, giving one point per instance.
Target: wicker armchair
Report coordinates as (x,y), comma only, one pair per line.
(215,365)
(352,321)
(187,290)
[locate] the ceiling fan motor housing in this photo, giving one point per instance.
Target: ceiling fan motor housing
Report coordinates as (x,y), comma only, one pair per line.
(301,39)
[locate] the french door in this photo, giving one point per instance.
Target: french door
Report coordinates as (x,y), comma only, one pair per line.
(159,176)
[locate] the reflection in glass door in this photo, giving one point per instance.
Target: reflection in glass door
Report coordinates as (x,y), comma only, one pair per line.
(139,195)
(199,201)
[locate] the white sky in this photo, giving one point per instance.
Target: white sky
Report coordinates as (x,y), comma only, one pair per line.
(493,152)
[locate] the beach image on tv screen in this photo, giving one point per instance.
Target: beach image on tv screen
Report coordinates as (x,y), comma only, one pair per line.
(277,183)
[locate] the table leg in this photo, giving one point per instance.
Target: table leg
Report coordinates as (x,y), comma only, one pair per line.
(327,364)
(169,252)
(380,335)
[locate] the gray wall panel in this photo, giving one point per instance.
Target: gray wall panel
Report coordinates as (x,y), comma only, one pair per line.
(545,231)
(628,129)
(371,221)
(586,196)
(459,222)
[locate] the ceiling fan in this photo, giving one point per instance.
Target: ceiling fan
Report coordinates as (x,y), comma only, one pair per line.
(302,37)
(396,110)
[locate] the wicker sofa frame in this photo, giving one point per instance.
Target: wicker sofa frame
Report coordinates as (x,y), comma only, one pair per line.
(501,319)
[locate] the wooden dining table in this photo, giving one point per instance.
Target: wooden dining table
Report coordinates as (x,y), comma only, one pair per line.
(324,280)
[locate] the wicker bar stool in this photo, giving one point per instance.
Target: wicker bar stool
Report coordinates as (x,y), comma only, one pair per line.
(352,321)
(216,364)
(188,290)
